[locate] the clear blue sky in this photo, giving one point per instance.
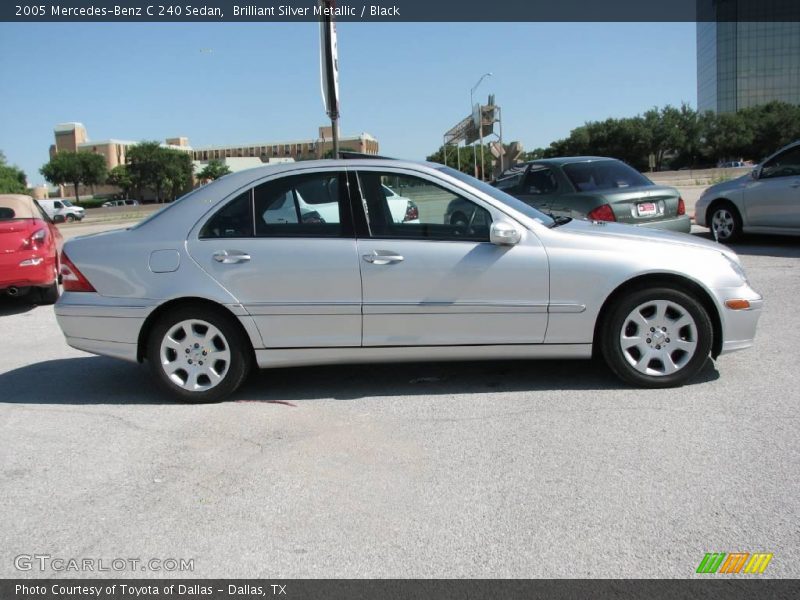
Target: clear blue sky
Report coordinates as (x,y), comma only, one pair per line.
(404,83)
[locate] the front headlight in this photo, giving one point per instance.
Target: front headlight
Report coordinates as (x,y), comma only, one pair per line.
(737,268)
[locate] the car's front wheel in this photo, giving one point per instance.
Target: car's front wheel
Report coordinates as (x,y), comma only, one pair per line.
(657,338)
(725,223)
(198,354)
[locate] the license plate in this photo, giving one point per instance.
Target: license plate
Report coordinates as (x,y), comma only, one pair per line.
(646,209)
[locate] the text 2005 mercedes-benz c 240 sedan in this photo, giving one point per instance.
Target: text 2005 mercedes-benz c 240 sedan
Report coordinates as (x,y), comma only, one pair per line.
(307,263)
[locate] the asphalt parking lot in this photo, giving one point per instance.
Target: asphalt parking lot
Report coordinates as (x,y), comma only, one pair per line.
(515,469)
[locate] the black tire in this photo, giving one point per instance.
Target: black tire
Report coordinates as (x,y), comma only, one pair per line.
(235,341)
(49,294)
(729,213)
(618,360)
(70,218)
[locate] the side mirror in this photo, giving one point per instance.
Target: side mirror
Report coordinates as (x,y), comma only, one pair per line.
(59,219)
(755,173)
(503,233)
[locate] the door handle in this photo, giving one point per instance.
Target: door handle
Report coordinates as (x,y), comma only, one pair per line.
(382,257)
(231,257)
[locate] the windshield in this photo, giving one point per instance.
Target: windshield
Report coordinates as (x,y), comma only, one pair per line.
(604,175)
(499,195)
(66,203)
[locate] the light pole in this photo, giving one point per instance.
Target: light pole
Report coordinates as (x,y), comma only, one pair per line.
(480,117)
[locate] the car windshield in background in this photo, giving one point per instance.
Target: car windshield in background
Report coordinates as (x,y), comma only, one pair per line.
(604,175)
(500,195)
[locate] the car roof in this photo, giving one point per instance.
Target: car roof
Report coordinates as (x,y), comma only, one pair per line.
(196,203)
(567,160)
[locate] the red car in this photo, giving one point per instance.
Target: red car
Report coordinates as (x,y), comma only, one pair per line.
(30,247)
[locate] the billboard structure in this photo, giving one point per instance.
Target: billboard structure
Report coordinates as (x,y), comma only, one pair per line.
(474,128)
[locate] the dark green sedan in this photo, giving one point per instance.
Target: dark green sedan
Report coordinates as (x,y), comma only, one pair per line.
(595,188)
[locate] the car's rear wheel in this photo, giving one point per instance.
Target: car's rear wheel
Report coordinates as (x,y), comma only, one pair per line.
(198,354)
(725,222)
(657,338)
(50,293)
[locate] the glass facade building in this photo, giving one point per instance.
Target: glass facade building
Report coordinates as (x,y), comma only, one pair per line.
(743,64)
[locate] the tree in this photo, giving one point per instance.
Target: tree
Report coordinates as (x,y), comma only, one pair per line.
(75,168)
(119,176)
(468,156)
(12,179)
(213,171)
(159,169)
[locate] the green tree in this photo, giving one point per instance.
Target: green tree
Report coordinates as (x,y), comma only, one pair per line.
(119,176)
(75,168)
(468,157)
(165,171)
(213,171)
(12,179)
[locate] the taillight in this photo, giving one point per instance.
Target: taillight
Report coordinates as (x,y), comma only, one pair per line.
(601,213)
(37,238)
(681,207)
(412,212)
(72,279)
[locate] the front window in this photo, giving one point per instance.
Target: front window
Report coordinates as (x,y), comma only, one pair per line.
(500,196)
(786,164)
(604,175)
(421,210)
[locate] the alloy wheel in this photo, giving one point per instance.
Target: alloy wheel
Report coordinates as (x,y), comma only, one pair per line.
(195,355)
(658,338)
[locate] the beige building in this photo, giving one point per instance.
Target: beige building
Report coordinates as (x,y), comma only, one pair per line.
(73,137)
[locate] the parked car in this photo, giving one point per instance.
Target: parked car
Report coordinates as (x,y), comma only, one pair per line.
(766,200)
(123,202)
(30,244)
(67,209)
(598,189)
(210,285)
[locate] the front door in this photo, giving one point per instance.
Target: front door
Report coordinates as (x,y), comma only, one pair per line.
(773,200)
(287,254)
(436,279)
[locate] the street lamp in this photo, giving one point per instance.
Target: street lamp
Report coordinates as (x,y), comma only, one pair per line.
(480,116)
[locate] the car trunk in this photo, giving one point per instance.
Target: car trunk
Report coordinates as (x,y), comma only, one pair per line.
(643,204)
(12,233)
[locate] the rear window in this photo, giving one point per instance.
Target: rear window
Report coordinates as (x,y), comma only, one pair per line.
(604,175)
(16,208)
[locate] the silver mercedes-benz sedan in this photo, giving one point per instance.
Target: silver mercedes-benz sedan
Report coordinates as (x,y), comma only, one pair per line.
(228,277)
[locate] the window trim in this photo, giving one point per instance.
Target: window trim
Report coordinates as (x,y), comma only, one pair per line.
(345,209)
(358,205)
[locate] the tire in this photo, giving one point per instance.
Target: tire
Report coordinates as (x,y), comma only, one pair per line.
(667,328)
(70,218)
(725,222)
(206,333)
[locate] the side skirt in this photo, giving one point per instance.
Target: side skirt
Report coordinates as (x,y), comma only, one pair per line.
(302,357)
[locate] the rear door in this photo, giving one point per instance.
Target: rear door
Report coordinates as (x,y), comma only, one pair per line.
(293,270)
(439,281)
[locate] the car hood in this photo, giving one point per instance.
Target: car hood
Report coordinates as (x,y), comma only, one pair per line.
(622,232)
(731,184)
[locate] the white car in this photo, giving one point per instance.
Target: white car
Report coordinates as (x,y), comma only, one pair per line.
(65,208)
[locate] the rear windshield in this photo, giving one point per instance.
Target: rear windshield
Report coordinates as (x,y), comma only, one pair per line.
(604,175)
